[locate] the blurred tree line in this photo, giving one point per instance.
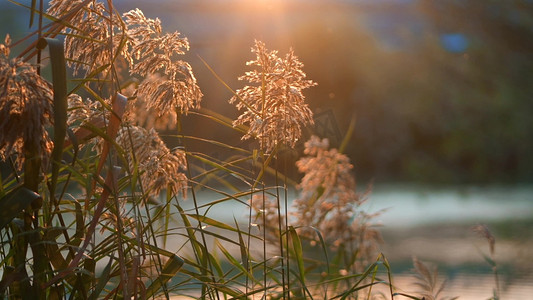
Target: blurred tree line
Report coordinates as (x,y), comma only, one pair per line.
(441,89)
(428,113)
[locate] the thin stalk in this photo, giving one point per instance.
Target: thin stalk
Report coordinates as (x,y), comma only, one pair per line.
(56,210)
(228,87)
(496,278)
(205,258)
(32,167)
(264,243)
(250,208)
(287,241)
(39,35)
(120,226)
(120,246)
(280,231)
(263,105)
(151,232)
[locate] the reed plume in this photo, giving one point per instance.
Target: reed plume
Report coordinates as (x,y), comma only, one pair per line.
(329,202)
(94,36)
(169,86)
(159,167)
(273,105)
(81,111)
(428,281)
(26,108)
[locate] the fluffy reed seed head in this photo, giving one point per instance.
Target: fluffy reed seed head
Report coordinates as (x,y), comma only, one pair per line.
(274,106)
(159,167)
(112,218)
(94,36)
(483,231)
(328,199)
(81,111)
(26,107)
(138,113)
(169,85)
(327,175)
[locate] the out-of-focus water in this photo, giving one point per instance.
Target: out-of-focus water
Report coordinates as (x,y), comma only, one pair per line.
(414,205)
(413,214)
(411,205)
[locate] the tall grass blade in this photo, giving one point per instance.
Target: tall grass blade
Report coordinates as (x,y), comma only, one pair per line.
(32,17)
(102,281)
(119,107)
(389,273)
(170,269)
(53,252)
(356,286)
(219,118)
(228,87)
(408,296)
(298,251)
(236,263)
(14,202)
(324,247)
(212,222)
(59,81)
(56,292)
(348,135)
(299,256)
(108,184)
(245,255)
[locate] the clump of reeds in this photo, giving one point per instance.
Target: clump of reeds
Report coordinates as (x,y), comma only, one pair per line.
(327,213)
(98,211)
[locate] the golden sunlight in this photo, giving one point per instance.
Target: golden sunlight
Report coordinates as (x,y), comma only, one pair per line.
(263,5)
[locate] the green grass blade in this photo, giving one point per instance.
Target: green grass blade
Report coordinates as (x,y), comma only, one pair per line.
(372,268)
(298,251)
(53,252)
(59,80)
(90,77)
(190,234)
(408,296)
(216,235)
(32,17)
(102,281)
(170,269)
(324,247)
(212,163)
(211,143)
(14,202)
(119,102)
(389,272)
(245,256)
(219,118)
(233,261)
(348,135)
(212,222)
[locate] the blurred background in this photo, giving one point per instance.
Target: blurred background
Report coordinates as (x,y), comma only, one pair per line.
(441,90)
(442,95)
